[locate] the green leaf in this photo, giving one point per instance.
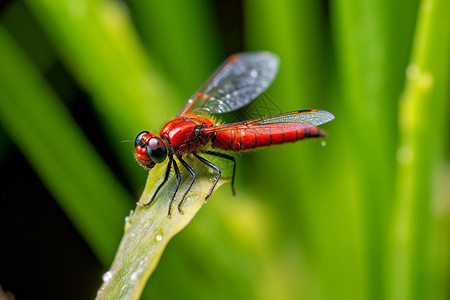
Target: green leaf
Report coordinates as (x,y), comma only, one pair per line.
(149,229)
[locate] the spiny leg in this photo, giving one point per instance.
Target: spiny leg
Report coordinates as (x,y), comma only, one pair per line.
(212,166)
(178,174)
(229,157)
(190,184)
(166,176)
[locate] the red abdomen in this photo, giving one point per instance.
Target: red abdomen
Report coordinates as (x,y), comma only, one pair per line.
(180,133)
(240,140)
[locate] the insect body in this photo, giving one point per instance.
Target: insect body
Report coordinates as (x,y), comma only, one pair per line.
(239,80)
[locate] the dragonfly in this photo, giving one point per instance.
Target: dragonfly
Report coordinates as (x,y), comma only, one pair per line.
(237,82)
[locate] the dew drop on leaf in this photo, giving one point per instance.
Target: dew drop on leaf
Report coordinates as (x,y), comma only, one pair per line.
(107,276)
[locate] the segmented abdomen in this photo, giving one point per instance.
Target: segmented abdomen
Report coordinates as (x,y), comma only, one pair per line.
(239,139)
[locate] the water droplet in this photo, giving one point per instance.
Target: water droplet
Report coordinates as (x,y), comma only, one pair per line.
(134,276)
(158,237)
(254,73)
(323,143)
(107,276)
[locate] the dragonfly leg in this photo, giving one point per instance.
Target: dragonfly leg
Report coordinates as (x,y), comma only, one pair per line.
(185,164)
(212,166)
(229,157)
(166,177)
(178,174)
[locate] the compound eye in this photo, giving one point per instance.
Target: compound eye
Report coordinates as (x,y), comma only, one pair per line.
(156,150)
(138,140)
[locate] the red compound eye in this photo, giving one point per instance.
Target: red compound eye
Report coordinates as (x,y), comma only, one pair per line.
(141,151)
(149,149)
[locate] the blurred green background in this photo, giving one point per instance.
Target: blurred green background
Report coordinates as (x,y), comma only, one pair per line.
(366,216)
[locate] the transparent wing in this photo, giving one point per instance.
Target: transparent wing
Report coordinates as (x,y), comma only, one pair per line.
(285,122)
(239,80)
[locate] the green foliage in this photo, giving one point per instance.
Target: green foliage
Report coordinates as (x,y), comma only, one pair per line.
(364,217)
(149,229)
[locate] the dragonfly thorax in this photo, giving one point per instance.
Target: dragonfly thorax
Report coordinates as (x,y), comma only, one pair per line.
(184,134)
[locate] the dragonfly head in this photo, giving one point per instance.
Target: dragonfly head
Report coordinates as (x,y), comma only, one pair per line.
(149,149)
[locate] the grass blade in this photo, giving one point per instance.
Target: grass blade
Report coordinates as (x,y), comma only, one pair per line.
(422,113)
(37,121)
(148,231)
(97,41)
(179,41)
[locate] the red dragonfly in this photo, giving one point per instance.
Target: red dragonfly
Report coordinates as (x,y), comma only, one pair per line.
(239,80)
